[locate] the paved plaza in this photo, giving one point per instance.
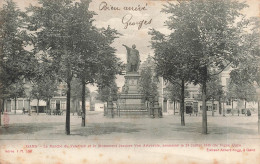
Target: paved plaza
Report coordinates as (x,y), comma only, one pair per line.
(136,128)
(130,140)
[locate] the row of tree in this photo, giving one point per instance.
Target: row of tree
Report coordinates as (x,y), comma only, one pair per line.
(207,36)
(55,42)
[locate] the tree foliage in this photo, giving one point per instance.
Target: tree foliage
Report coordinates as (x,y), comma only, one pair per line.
(63,35)
(242,91)
(173,92)
(105,92)
(76,89)
(15,61)
(214,89)
(211,35)
(148,83)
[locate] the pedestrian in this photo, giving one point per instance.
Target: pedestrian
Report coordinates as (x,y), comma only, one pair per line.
(248,112)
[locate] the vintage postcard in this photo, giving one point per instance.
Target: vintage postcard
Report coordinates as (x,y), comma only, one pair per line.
(130,81)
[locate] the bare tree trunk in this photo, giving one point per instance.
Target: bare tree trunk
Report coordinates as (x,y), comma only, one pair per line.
(223,108)
(37,107)
(204,108)
(258,117)
(48,105)
(179,108)
(174,107)
(29,112)
(219,104)
(15,99)
(245,104)
(67,128)
(213,107)
(182,103)
(3,106)
(232,110)
(0,113)
(83,123)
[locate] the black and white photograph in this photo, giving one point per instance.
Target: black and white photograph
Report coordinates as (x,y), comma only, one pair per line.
(129,81)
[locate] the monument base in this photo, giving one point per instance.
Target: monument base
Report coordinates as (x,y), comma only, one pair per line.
(131,102)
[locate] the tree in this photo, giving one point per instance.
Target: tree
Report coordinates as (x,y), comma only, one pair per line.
(52,24)
(43,89)
(214,91)
(76,93)
(83,35)
(174,93)
(15,91)
(35,92)
(212,33)
(231,94)
(106,91)
(65,34)
(13,53)
(172,62)
(246,76)
(44,83)
(14,59)
(148,83)
(243,91)
(95,55)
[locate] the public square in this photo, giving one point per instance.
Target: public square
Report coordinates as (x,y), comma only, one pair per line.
(123,82)
(36,127)
(159,137)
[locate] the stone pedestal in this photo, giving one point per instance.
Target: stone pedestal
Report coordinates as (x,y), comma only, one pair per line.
(130,100)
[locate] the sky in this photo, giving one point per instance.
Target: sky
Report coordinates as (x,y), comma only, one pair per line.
(113,12)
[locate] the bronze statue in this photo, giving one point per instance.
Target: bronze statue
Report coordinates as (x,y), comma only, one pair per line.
(133,59)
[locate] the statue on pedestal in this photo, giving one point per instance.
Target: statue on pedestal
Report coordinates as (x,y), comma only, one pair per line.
(133,59)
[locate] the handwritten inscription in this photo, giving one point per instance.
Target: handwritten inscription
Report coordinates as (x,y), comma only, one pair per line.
(105,6)
(128,19)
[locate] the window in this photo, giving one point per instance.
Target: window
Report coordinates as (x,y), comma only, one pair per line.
(215,107)
(63,105)
(228,102)
(53,104)
(209,108)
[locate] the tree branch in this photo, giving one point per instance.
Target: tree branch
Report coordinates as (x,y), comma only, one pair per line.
(221,70)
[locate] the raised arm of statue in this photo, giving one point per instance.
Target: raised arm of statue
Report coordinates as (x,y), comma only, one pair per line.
(127,48)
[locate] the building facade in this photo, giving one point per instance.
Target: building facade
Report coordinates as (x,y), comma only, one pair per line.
(193,103)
